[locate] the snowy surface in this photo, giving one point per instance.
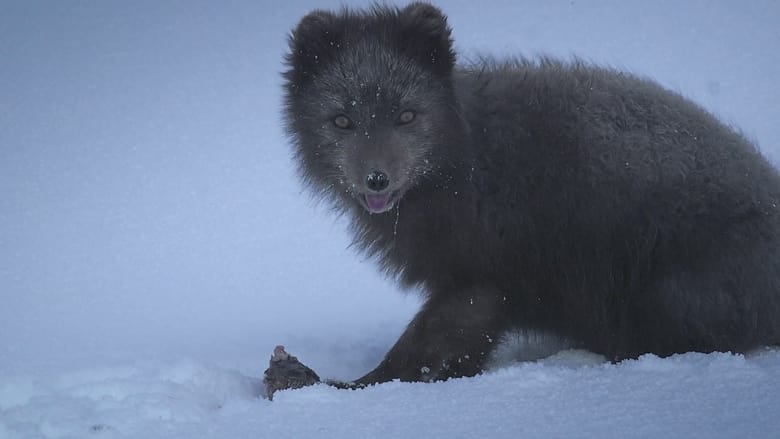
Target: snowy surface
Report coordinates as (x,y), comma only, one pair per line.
(155,243)
(689,396)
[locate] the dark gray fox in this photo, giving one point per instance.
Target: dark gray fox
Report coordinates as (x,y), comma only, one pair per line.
(532,193)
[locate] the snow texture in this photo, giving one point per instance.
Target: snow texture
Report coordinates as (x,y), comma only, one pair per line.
(155,243)
(686,396)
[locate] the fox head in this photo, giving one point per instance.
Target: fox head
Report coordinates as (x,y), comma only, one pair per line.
(370,104)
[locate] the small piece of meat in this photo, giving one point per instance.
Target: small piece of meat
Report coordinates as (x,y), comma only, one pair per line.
(286,372)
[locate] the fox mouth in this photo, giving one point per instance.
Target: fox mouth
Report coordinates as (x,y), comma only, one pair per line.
(378,203)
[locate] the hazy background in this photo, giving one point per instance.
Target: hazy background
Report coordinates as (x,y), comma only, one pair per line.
(148,203)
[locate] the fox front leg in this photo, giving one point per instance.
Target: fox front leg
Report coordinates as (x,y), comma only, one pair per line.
(450,337)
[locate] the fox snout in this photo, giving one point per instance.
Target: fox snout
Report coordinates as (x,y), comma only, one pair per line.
(377,181)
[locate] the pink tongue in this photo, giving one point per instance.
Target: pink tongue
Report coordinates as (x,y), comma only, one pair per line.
(377,203)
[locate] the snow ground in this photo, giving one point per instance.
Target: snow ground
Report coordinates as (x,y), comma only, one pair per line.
(567,395)
(155,243)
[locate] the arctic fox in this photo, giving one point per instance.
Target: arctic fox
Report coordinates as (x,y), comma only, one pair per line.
(532,193)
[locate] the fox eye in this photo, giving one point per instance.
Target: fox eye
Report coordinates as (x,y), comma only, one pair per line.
(342,122)
(406,116)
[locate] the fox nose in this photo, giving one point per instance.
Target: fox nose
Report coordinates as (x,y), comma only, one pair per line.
(377,181)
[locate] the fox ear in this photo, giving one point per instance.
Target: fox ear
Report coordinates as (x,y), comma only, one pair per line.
(426,37)
(312,41)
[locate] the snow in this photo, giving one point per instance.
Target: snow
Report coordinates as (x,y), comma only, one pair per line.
(568,395)
(155,243)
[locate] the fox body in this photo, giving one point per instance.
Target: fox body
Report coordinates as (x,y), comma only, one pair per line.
(534,194)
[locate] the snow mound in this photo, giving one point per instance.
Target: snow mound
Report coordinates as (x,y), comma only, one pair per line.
(566,395)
